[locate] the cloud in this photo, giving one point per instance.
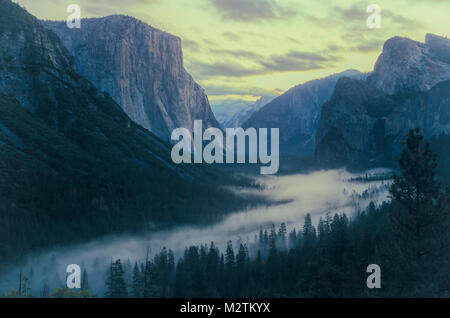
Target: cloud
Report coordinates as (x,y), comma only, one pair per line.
(231,36)
(222,90)
(354,13)
(251,10)
(369,46)
(99,8)
(363,42)
(292,61)
(353,19)
(316,193)
(191,45)
(349,23)
(299,61)
(227,69)
(334,47)
(401,21)
(237,53)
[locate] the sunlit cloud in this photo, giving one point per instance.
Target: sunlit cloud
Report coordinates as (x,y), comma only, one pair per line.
(369,46)
(224,90)
(290,62)
(251,10)
(269,44)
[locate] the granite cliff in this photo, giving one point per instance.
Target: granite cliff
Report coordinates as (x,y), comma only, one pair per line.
(71,161)
(141,68)
(365,122)
(297,113)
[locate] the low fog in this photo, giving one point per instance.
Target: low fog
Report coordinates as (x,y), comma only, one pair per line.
(317,193)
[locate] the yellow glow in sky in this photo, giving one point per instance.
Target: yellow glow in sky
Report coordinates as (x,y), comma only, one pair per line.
(243,49)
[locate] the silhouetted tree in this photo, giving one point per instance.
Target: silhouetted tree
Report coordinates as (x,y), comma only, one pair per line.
(419,217)
(115,284)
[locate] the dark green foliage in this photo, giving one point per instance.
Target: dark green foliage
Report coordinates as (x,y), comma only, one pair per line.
(73,166)
(115,283)
(138,283)
(14,19)
(408,238)
(336,268)
(52,191)
(84,280)
(420,219)
(441,146)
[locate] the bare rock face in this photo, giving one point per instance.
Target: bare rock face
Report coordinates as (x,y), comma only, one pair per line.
(37,71)
(25,49)
(409,65)
(70,158)
(365,122)
(353,125)
(297,113)
(141,68)
(239,118)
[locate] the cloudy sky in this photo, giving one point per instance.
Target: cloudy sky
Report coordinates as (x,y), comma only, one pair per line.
(242,49)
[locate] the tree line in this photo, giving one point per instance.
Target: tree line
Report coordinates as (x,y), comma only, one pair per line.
(408,238)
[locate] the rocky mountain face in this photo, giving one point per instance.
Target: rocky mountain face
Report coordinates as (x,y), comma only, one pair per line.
(365,122)
(240,117)
(70,158)
(39,73)
(225,109)
(407,65)
(141,68)
(297,113)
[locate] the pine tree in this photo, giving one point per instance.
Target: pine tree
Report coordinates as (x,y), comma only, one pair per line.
(309,233)
(282,236)
(419,216)
(84,280)
(26,287)
(213,269)
(229,257)
(293,238)
(115,284)
(170,261)
(45,292)
(138,282)
(180,284)
(266,240)
(242,263)
(261,237)
(230,269)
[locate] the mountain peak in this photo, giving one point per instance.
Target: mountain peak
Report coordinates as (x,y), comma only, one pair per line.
(142,69)
(439,47)
(297,112)
(406,64)
(430,37)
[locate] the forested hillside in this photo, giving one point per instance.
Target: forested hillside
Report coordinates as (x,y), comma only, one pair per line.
(73,165)
(408,238)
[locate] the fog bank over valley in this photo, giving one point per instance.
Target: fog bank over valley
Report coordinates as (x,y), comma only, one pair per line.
(317,193)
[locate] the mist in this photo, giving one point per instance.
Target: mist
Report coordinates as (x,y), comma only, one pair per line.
(317,193)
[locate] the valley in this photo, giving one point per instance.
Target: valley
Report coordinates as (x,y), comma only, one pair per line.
(112,158)
(293,196)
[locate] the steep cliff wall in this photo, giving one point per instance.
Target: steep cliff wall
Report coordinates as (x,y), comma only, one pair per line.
(365,122)
(141,68)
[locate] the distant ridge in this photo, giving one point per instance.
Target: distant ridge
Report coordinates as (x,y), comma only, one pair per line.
(297,113)
(365,122)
